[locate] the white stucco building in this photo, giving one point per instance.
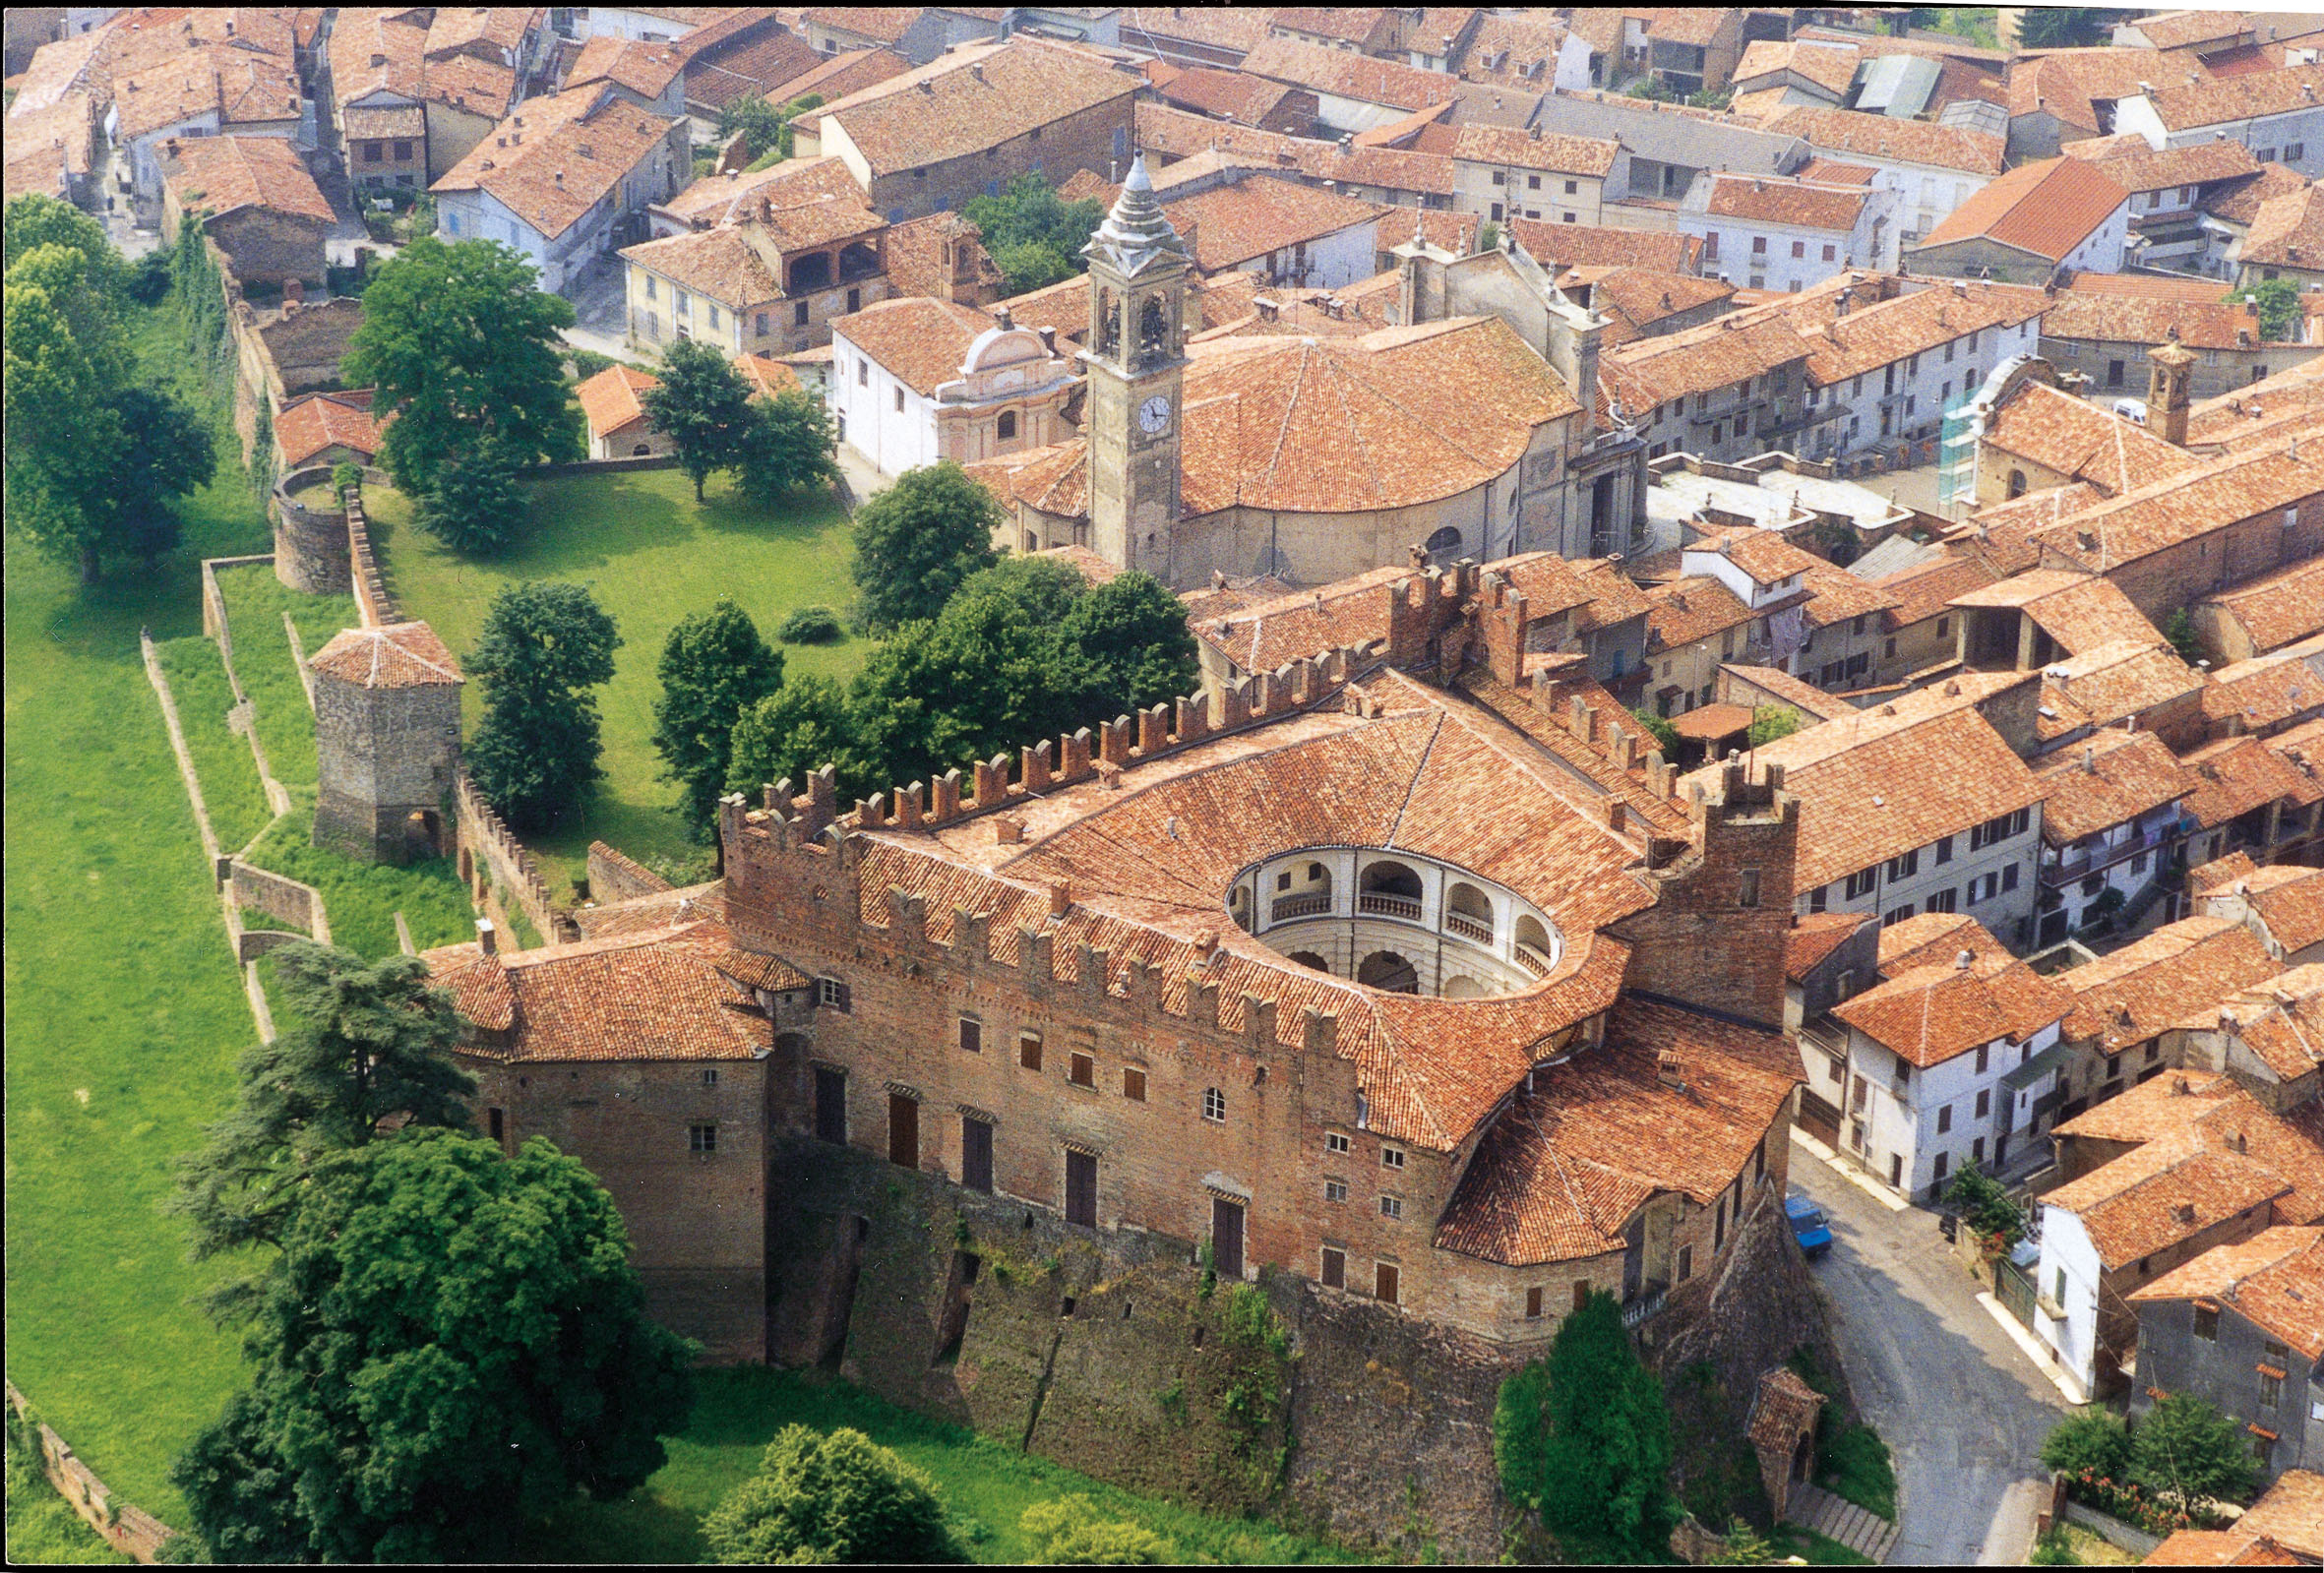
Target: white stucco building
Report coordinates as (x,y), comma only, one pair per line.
(1767,232)
(918,381)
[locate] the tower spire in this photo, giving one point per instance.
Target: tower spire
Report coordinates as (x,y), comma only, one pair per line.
(1135,233)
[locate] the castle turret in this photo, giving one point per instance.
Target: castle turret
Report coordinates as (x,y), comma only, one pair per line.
(386,739)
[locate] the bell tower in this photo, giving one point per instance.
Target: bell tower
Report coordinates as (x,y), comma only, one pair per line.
(1136,358)
(2171,373)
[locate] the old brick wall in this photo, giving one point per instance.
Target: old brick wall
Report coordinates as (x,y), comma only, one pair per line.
(1090,140)
(1700,943)
(2162,582)
(613,877)
(265,247)
(310,544)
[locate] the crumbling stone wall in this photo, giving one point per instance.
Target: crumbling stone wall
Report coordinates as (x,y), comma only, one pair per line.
(309,543)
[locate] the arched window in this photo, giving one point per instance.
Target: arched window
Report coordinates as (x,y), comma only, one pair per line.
(1153,329)
(1309,959)
(2017,483)
(1108,322)
(1388,972)
(1469,913)
(1007,425)
(1214,1105)
(1462,988)
(1446,541)
(1390,890)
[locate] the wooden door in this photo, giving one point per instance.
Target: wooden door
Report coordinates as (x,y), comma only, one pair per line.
(830,1106)
(976,1154)
(1226,1236)
(1081,1190)
(904,1131)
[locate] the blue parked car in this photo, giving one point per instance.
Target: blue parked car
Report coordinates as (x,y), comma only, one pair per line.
(1809,1227)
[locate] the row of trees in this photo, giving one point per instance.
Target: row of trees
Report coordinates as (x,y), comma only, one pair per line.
(96,463)
(2182,1454)
(446,1344)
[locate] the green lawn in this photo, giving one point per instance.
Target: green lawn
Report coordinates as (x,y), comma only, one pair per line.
(255,603)
(124,1011)
(362,900)
(651,556)
(231,787)
(986,1484)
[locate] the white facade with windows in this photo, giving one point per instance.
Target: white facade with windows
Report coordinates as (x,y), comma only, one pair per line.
(1913,1128)
(2066,1285)
(1756,254)
(1985,870)
(2294,137)
(1905,400)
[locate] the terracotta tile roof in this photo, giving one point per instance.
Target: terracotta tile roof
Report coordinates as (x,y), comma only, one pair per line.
(1812,703)
(884,24)
(1446,232)
(2224,99)
(2202,500)
(1232,225)
(2075,438)
(1837,597)
(1512,50)
(2046,208)
(309,425)
(768,377)
(845,74)
(1882,782)
(722,199)
(2128,774)
(1928,1014)
(1815,936)
(1344,74)
(1763,554)
(739,263)
(2267,689)
(2062,83)
(1262,637)
(2175,29)
(1600,245)
(497,31)
(2240,201)
(2289,901)
(1354,25)
(2301,749)
(920,342)
(1846,132)
(2110,683)
(1233,30)
(648,914)
(610,400)
(1648,372)
(2291,1513)
(1637,298)
(2219,871)
(1830,66)
(402,655)
(1926,589)
(1850,341)
(2237,776)
(1510,148)
(2137,167)
(657,996)
(2219,1548)
(916,265)
(645,68)
(1934,939)
(556,158)
(1691,609)
(1336,425)
(1710,723)
(377,50)
(2142,1204)
(1226,95)
(2179,973)
(222,174)
(2274,611)
(240,86)
(2262,410)
(1768,201)
(947,110)
(1561,1172)
(757,69)
(2103,314)
(2287,231)
(2252,1275)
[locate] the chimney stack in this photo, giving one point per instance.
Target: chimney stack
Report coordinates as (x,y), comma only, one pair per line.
(487,937)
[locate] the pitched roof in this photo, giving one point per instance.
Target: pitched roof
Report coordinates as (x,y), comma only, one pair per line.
(556,158)
(2252,1275)
(382,49)
(2110,683)
(2287,231)
(1687,610)
(1600,245)
(2107,314)
(1930,1014)
(724,198)
(1917,142)
(308,426)
(643,67)
(1344,74)
(610,400)
(2126,774)
(1830,66)
(2267,689)
(2199,500)
(2076,439)
(220,176)
(1510,148)
(1927,590)
(1814,935)
(2178,973)
(2046,208)
(2290,1512)
(2278,608)
(2221,99)
(2063,83)
(757,68)
(2281,1021)
(768,377)
(2135,166)
(1647,371)
(1775,201)
(2234,775)
(666,994)
(1228,94)
(920,342)
(971,99)
(402,655)
(2289,901)
(1233,223)
(1880,782)
(738,261)
(240,86)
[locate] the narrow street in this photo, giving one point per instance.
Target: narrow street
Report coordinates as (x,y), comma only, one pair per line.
(1963,1411)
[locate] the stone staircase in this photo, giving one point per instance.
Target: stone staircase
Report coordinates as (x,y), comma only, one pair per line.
(1865,1534)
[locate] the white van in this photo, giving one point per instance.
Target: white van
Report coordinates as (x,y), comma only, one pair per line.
(2133,411)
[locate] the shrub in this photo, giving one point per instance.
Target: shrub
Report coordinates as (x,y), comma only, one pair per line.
(1665,735)
(2185,1452)
(586,363)
(809,625)
(1069,1530)
(836,1498)
(2091,1440)
(1986,1207)
(149,278)
(344,474)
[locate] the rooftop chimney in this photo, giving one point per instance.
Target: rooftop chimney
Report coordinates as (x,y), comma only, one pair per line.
(1060,898)
(487,937)
(1963,960)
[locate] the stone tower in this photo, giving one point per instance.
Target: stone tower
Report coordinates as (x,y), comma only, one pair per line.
(1136,356)
(386,735)
(2171,376)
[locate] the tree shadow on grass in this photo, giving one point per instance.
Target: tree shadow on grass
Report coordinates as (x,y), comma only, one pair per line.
(638,1529)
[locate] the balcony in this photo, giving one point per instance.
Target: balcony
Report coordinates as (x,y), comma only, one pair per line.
(1468,928)
(1635,1312)
(1290,907)
(2077,864)
(1381,904)
(1824,1034)
(1533,960)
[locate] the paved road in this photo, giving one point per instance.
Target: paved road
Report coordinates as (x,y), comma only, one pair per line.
(1962,1408)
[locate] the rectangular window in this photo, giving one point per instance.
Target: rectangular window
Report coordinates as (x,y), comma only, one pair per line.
(761,330)
(1944,1119)
(1335,1191)
(1081,1070)
(494,1121)
(1944,845)
(2206,1322)
(830,1106)
(1391,1207)
(904,1131)
(2271,1389)
(1820,898)
(798,316)
(1081,1190)
(680,304)
(1719,1227)
(900,401)
(855,300)
(1748,895)
(701,1138)
(371,153)
(1028,1050)
(1391,1158)
(1533,182)
(1831,254)
(1945,1160)
(1574,188)
(1226,1237)
(1861,884)
(863,373)
(1533,1303)
(1982,1050)
(1800,249)
(1985,1098)
(1133,1085)
(1386,1283)
(1896,916)
(1685,1263)
(976,1154)
(1758,245)
(1335,1268)
(833,994)
(1335,1142)
(713,318)
(2010,877)
(403,153)
(972,1036)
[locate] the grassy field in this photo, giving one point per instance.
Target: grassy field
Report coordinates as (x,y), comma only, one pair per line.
(255,603)
(230,788)
(651,556)
(362,900)
(124,1011)
(986,1486)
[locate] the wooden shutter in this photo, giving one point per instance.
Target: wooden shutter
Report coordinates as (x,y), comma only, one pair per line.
(904,1131)
(976,1154)
(1226,1236)
(1081,1190)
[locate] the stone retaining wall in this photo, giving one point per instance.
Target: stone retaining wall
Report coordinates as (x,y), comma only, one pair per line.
(126,1528)
(299,906)
(2111,1530)
(599,467)
(613,877)
(492,860)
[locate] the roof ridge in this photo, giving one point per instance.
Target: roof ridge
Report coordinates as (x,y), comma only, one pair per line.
(1412,784)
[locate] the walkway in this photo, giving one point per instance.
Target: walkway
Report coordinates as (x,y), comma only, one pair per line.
(1836,1518)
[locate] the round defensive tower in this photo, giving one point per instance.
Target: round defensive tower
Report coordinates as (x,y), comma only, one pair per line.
(311,552)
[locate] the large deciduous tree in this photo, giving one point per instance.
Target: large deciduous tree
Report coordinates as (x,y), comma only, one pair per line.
(362,1042)
(543,648)
(787,447)
(478,499)
(703,406)
(449,1346)
(1134,633)
(1584,1436)
(2187,1451)
(1034,237)
(916,541)
(714,667)
(796,730)
(462,345)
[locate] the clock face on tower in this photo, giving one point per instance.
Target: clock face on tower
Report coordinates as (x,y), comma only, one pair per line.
(1153,416)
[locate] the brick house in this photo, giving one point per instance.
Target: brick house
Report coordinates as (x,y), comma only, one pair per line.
(413,92)
(2236,1328)
(619,427)
(972,121)
(258,205)
(2108,337)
